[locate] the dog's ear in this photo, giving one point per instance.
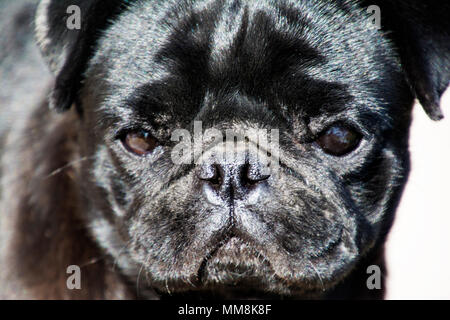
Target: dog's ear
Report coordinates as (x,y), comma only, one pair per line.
(421,31)
(66,32)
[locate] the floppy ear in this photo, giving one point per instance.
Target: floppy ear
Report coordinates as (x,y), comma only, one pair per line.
(67,45)
(421,31)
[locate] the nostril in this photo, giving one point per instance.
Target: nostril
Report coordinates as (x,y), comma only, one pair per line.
(216,180)
(251,175)
(213,175)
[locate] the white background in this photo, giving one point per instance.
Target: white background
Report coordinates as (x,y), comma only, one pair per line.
(418,248)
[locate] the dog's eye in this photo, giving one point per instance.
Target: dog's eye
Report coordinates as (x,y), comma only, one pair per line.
(139,142)
(339,140)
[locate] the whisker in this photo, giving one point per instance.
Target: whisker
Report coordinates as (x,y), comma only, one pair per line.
(93,261)
(137,281)
(70,164)
(167,288)
(318,274)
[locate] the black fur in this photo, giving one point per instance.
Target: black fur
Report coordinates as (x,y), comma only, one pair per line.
(147,227)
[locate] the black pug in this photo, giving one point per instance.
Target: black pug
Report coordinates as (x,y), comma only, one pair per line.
(97,187)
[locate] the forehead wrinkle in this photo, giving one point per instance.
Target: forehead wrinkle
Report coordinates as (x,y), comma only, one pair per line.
(238,17)
(230,26)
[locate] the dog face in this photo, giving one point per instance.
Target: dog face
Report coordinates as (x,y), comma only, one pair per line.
(320,75)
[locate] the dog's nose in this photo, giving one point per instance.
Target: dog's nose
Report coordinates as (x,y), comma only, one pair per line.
(232,180)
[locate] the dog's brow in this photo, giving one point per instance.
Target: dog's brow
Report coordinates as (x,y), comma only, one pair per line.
(270,38)
(162,99)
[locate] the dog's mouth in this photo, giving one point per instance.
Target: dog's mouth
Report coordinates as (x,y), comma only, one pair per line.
(235,264)
(232,261)
(234,269)
(237,267)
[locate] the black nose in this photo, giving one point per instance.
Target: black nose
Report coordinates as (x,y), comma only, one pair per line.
(232,180)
